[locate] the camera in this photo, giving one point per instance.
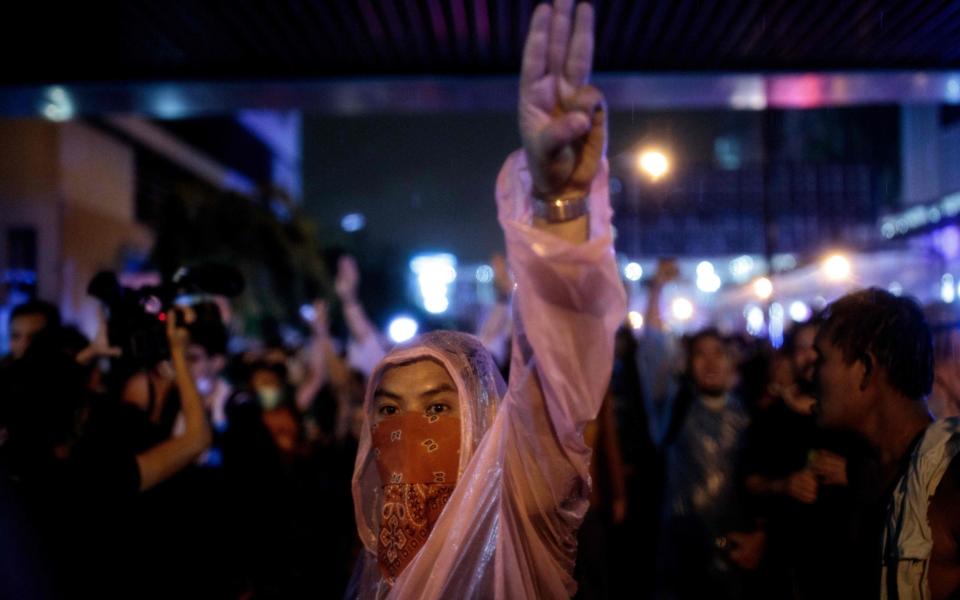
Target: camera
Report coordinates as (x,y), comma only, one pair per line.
(136,317)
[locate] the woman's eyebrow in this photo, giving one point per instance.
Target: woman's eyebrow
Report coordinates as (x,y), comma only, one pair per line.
(439,389)
(385,393)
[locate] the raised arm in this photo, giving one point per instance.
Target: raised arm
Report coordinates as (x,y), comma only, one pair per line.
(554,209)
(346,283)
(170,456)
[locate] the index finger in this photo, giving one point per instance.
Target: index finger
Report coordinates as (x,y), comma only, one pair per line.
(580,54)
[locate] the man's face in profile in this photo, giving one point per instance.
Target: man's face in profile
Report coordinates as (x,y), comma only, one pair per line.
(841,399)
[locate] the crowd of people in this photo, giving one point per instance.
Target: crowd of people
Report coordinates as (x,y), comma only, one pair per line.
(229,474)
(557,452)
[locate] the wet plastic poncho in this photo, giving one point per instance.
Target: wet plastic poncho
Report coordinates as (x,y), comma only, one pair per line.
(509,529)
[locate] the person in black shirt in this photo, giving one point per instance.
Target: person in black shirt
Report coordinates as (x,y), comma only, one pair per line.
(64,469)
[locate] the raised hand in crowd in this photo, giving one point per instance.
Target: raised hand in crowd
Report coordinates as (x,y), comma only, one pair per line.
(562,117)
(170,456)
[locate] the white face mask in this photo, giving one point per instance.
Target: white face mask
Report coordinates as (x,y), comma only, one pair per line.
(270,397)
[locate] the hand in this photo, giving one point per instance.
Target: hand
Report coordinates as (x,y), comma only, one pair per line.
(99,347)
(562,118)
(830,468)
(319,320)
(348,278)
(802,486)
(177,335)
(502,281)
(667,271)
(746,548)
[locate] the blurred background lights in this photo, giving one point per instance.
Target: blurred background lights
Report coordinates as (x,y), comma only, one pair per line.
(741,268)
(799,311)
(763,288)
(836,267)
(776,325)
(435,273)
(633,271)
(895,288)
(755,320)
(353,222)
(57,105)
(707,279)
(654,163)
(484,274)
(635,319)
(682,309)
(947,290)
(401,329)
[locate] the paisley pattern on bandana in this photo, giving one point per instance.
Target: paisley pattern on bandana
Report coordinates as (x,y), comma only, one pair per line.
(409,512)
(418,457)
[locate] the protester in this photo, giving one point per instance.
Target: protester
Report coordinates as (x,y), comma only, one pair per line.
(26,321)
(507,487)
(875,367)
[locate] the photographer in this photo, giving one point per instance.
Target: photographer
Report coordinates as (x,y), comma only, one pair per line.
(63,466)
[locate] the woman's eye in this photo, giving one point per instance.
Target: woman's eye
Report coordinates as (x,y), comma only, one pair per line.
(388,410)
(436,409)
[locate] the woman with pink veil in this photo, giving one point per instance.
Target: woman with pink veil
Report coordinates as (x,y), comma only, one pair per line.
(467,487)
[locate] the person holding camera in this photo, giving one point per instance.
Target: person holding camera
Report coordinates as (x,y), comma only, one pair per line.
(65,466)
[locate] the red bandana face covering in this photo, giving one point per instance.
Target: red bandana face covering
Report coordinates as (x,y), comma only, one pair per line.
(418,457)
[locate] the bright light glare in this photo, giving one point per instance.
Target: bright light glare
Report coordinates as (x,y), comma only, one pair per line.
(484,274)
(755,320)
(633,271)
(435,273)
(947,292)
(799,311)
(704,267)
(635,318)
(836,267)
(58,105)
(353,222)
(763,288)
(682,309)
(402,329)
(707,278)
(654,163)
(776,325)
(709,282)
(741,268)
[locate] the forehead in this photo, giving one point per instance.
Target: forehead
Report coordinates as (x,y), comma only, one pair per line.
(806,335)
(414,376)
(30,321)
(708,343)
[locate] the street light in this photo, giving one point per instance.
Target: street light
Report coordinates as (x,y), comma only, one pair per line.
(682,309)
(836,267)
(654,163)
(763,288)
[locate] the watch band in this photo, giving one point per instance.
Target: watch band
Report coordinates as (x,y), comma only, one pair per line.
(560,208)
